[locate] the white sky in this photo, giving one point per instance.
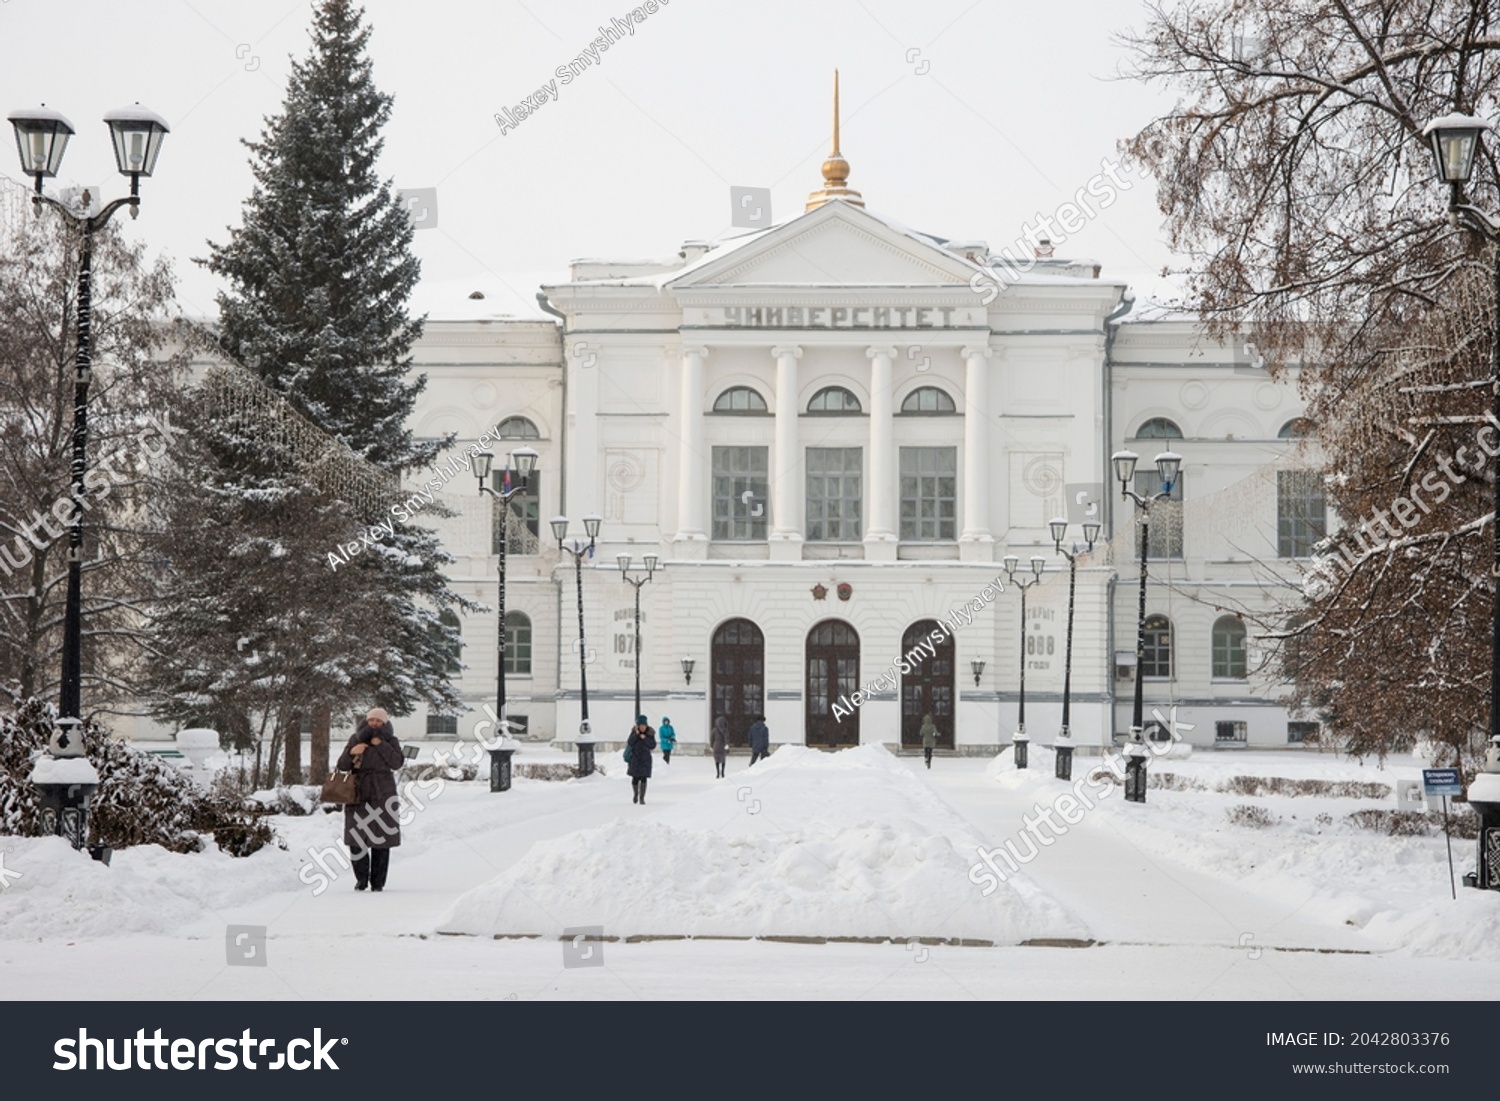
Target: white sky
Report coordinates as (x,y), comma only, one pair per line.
(1016,108)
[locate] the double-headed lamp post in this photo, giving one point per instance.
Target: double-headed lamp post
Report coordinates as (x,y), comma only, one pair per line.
(1168,469)
(66,779)
(1019,739)
(580,550)
(1064,744)
(41,137)
(524,459)
(1455,142)
(651,564)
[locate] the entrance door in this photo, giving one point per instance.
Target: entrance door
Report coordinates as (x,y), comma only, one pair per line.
(928,689)
(738,686)
(832,672)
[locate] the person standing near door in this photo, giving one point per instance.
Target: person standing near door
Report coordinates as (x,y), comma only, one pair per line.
(718,741)
(929,738)
(760,739)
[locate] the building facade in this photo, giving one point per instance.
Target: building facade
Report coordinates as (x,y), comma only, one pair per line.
(830,433)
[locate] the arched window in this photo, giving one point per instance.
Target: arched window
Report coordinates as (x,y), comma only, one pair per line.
(518,644)
(833,399)
(929,400)
(1298,428)
(1229,647)
(1158,428)
(1156,659)
(518,428)
(740,399)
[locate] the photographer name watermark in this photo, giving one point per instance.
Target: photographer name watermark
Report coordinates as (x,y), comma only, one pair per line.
(923,650)
(619,28)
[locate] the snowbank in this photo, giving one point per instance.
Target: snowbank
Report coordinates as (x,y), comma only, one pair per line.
(63,770)
(807,844)
(145,889)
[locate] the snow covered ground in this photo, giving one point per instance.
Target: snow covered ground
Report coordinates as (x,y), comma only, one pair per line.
(1179,901)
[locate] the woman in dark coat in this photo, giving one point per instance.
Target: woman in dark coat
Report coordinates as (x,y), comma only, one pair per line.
(371,828)
(718,741)
(641,742)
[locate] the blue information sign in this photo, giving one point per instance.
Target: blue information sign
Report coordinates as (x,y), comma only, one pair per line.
(1442,781)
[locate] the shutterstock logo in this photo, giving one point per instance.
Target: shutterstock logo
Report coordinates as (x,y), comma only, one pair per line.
(159,1053)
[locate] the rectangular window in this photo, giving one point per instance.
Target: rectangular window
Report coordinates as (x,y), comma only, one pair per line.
(834,494)
(1230,732)
(741,490)
(442,724)
(1301,512)
(1299,732)
(929,494)
(1165,537)
(525,515)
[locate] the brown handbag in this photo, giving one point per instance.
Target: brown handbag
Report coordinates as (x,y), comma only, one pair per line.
(340,788)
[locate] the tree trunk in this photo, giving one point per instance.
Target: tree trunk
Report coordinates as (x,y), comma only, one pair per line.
(318,765)
(291,742)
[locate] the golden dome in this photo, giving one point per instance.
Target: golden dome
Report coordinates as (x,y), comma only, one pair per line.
(835,168)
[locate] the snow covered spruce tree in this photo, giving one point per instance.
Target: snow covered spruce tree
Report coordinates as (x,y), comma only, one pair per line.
(130,423)
(320,274)
(1293,174)
(250,626)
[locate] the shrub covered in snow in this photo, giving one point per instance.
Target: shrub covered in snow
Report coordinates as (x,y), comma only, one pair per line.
(141,800)
(1246,814)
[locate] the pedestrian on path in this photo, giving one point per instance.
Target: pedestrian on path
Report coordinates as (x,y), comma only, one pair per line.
(760,739)
(668,739)
(638,749)
(718,741)
(372,827)
(929,738)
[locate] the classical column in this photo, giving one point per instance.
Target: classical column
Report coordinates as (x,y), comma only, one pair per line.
(976,524)
(786,459)
(880,532)
(692,455)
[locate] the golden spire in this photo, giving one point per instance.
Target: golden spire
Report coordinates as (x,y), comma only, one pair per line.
(835,168)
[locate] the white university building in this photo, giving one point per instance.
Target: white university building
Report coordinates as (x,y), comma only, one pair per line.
(830,433)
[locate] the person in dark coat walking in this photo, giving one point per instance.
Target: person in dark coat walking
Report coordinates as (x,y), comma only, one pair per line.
(641,742)
(718,741)
(668,739)
(929,738)
(371,826)
(760,739)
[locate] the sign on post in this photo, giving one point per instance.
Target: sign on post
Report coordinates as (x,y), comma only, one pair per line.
(1444,782)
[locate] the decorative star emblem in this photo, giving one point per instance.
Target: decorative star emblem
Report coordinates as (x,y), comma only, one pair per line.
(819,591)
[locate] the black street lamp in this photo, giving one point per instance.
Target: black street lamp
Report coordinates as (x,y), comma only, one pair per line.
(651,566)
(1455,142)
(1168,469)
(525,461)
(1019,739)
(977,665)
(579,551)
(41,137)
(1064,743)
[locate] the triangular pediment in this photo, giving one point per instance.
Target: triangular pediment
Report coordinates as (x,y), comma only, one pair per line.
(834,245)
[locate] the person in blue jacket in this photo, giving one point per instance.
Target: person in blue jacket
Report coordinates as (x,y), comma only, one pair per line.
(666,737)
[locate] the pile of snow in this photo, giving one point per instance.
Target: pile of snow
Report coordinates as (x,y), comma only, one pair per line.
(63,770)
(806,844)
(52,891)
